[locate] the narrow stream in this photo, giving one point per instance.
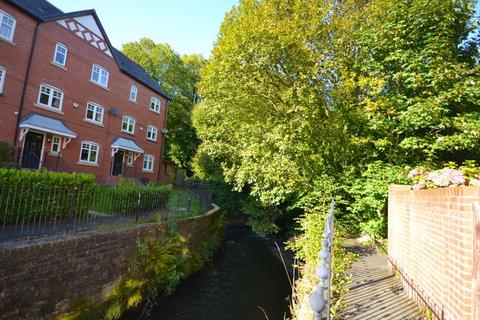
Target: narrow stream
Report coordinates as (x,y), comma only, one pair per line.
(244,275)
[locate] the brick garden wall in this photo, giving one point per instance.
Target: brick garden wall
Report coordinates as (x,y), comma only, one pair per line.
(434,240)
(39,279)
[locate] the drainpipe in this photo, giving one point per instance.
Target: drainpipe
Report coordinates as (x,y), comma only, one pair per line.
(24,90)
(163,142)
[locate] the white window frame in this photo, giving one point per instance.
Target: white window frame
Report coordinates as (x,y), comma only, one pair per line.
(2,15)
(101,72)
(89,148)
(62,46)
(134,90)
(53,90)
(150,161)
(97,109)
(2,78)
(129,121)
(58,144)
(130,159)
(154,131)
(155,104)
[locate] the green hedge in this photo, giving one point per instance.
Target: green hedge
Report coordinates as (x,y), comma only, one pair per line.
(40,196)
(123,198)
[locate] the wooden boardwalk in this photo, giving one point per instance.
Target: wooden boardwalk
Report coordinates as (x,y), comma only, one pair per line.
(376,292)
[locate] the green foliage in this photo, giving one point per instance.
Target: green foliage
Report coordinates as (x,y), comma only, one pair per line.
(43,195)
(305,93)
(367,194)
(178,76)
(156,268)
(305,100)
(470,169)
(307,246)
(123,198)
(6,153)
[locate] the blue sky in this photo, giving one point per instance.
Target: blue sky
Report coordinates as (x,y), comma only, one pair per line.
(189,26)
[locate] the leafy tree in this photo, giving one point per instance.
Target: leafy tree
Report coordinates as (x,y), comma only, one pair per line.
(178,76)
(305,94)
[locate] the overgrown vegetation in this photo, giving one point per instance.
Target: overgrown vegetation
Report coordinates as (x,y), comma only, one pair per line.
(306,101)
(157,267)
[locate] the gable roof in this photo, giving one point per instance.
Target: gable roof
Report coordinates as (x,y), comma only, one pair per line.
(44,11)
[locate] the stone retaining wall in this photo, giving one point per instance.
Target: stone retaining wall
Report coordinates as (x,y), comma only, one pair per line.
(40,278)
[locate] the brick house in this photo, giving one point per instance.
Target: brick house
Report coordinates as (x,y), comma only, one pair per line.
(69,101)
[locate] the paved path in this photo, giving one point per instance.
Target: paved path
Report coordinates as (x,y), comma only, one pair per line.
(375,292)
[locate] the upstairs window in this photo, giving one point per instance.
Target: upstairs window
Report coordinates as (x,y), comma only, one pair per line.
(60,56)
(133,93)
(148,163)
(50,97)
(7,26)
(152,133)
(128,124)
(94,113)
(89,152)
(2,79)
(99,76)
(155,105)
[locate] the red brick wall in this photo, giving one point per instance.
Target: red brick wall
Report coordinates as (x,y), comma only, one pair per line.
(14,59)
(74,81)
(431,239)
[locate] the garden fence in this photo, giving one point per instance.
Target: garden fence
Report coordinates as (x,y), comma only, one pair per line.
(36,209)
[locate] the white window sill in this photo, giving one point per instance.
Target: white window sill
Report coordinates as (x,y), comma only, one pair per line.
(128,132)
(133,101)
(10,42)
(93,122)
(88,164)
(129,165)
(98,85)
(48,108)
(58,65)
(151,140)
(156,112)
(53,154)
(147,171)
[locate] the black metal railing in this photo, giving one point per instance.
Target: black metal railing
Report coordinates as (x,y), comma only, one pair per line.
(37,209)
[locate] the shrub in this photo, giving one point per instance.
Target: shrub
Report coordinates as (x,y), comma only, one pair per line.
(6,155)
(43,196)
(123,198)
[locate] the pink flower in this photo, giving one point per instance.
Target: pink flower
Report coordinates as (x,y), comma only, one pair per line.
(446,177)
(417,172)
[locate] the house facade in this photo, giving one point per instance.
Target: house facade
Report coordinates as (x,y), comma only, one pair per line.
(69,101)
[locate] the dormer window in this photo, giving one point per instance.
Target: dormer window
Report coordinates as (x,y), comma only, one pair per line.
(99,76)
(133,93)
(7,26)
(155,105)
(60,56)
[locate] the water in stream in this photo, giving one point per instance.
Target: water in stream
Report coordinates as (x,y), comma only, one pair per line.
(244,275)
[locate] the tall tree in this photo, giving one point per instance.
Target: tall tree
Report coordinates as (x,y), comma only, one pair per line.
(303,94)
(178,76)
